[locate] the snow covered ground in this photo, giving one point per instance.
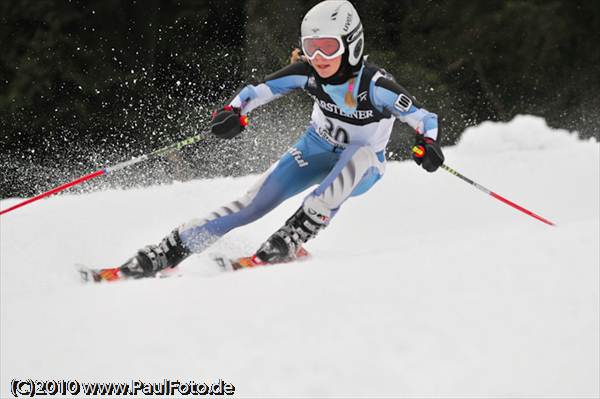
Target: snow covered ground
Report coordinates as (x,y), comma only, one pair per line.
(424,287)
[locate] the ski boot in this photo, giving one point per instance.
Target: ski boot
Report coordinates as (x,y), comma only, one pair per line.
(154,258)
(285,243)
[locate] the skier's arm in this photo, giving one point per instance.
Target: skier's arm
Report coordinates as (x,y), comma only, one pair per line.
(275,85)
(387,95)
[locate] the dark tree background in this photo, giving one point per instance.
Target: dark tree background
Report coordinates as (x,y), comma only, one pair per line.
(90,83)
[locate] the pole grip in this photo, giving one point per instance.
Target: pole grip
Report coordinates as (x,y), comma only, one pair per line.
(419,151)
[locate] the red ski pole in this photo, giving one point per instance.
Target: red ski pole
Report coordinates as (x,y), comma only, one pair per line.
(419,152)
(154,154)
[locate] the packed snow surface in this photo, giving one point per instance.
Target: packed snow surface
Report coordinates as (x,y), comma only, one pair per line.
(422,287)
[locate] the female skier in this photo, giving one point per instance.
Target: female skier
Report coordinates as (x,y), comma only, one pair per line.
(342,150)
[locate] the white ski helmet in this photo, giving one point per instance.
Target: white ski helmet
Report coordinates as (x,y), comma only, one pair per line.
(335,19)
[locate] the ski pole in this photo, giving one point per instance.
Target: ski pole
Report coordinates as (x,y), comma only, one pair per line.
(419,151)
(154,154)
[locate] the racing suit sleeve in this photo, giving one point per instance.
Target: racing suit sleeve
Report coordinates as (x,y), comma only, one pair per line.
(275,85)
(389,96)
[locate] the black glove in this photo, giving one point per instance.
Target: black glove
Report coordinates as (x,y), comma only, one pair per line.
(427,153)
(228,122)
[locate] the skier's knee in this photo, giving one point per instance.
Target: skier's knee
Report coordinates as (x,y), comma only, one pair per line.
(366,154)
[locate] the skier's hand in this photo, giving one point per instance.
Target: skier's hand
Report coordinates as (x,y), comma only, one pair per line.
(427,153)
(228,122)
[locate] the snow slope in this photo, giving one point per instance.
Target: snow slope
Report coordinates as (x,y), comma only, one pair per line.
(423,287)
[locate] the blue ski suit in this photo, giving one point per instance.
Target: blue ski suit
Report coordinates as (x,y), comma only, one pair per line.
(341,151)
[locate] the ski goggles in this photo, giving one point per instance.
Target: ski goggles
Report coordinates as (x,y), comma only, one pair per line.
(328,47)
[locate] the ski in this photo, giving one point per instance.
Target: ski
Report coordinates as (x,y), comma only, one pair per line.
(246,262)
(112,274)
(90,275)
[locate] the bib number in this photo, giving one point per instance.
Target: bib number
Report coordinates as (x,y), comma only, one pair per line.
(339,134)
